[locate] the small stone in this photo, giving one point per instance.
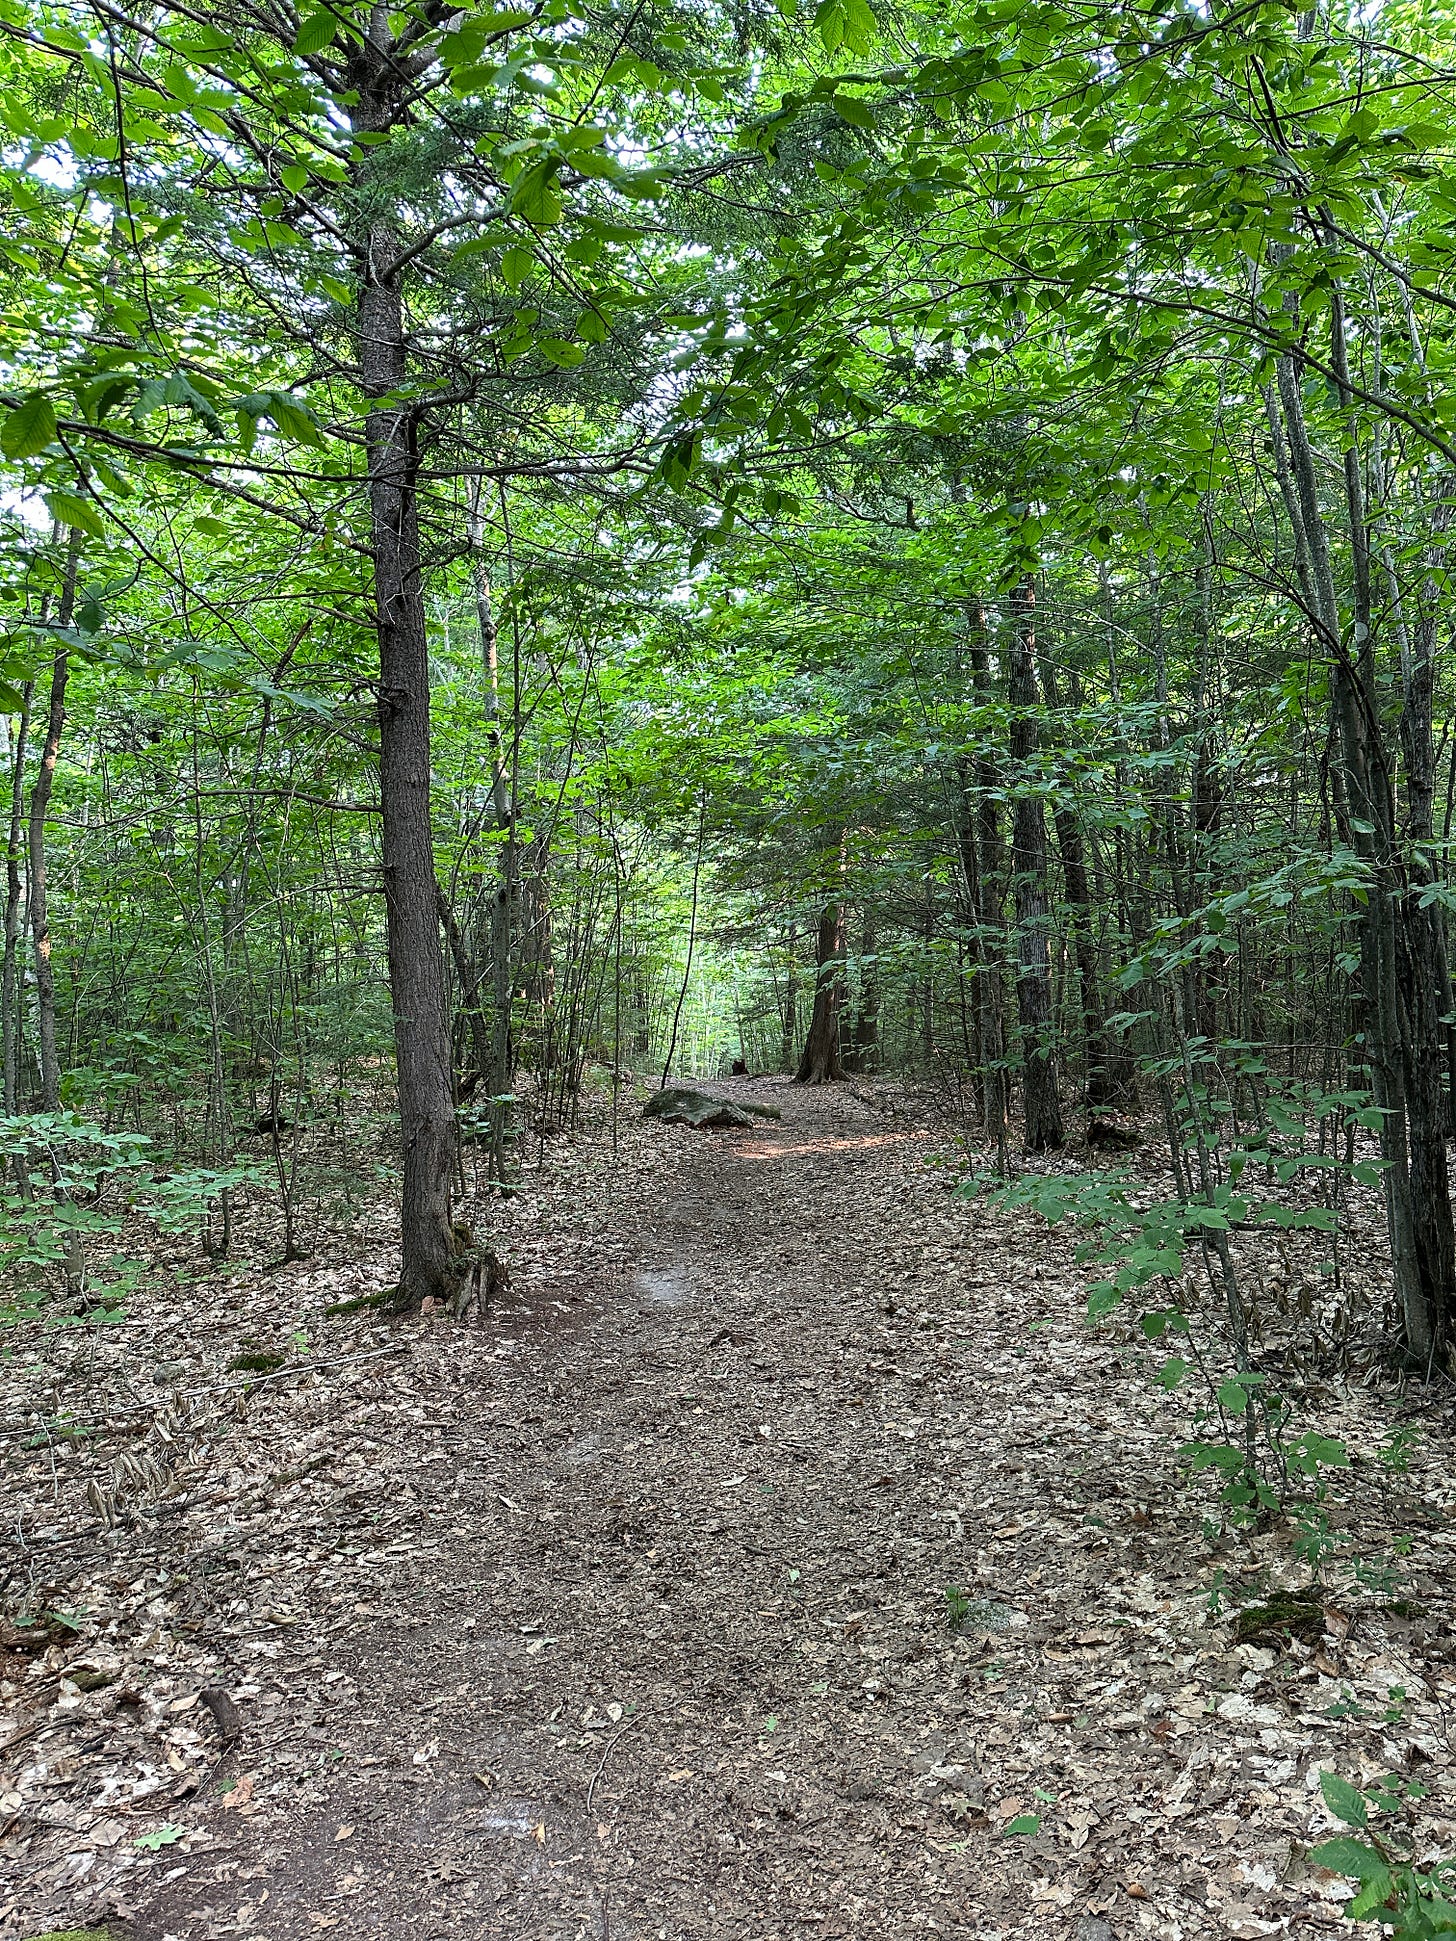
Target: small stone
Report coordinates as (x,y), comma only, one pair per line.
(1092,1927)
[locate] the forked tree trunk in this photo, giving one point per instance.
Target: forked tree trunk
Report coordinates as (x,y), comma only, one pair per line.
(1398,1018)
(821,1060)
(1045,1131)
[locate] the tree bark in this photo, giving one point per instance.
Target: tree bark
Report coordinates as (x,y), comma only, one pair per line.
(791,1000)
(864,1033)
(428,1267)
(1421,1257)
(9,977)
(40,800)
(989,898)
(1110,1075)
(821,1061)
(1045,1131)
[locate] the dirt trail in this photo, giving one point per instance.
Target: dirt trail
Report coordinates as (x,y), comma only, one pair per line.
(652,1643)
(596,1692)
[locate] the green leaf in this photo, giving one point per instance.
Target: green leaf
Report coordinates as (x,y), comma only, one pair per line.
(1374,1894)
(1025,1823)
(1353,1858)
(315,31)
(851,109)
(845,23)
(74,511)
(1313,1449)
(291,417)
(515,267)
(29,428)
(560,352)
(535,196)
(1345,1801)
(1173,1371)
(160,1836)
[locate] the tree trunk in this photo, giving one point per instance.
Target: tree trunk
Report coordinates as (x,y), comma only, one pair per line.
(791,1000)
(821,1061)
(864,1034)
(1420,987)
(990,907)
(40,799)
(1111,1078)
(537,960)
(973,971)
(1420,1233)
(1425,994)
(416,960)
(1044,1129)
(10,982)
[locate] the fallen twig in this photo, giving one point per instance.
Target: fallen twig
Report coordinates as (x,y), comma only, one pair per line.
(607,1752)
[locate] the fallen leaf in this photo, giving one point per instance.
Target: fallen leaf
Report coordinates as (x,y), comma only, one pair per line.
(344,1833)
(239,1795)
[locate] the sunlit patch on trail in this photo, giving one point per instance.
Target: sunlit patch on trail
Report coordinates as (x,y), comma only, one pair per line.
(855,1143)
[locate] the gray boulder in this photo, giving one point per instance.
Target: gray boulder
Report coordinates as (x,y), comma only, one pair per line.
(682,1105)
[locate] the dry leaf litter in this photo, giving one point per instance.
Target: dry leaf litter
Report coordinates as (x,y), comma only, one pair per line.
(624,1615)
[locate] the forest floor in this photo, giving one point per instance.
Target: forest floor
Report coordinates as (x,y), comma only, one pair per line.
(623,1616)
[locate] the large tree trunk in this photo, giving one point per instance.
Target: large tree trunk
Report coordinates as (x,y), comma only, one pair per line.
(821,1061)
(1044,1129)
(416,960)
(1425,993)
